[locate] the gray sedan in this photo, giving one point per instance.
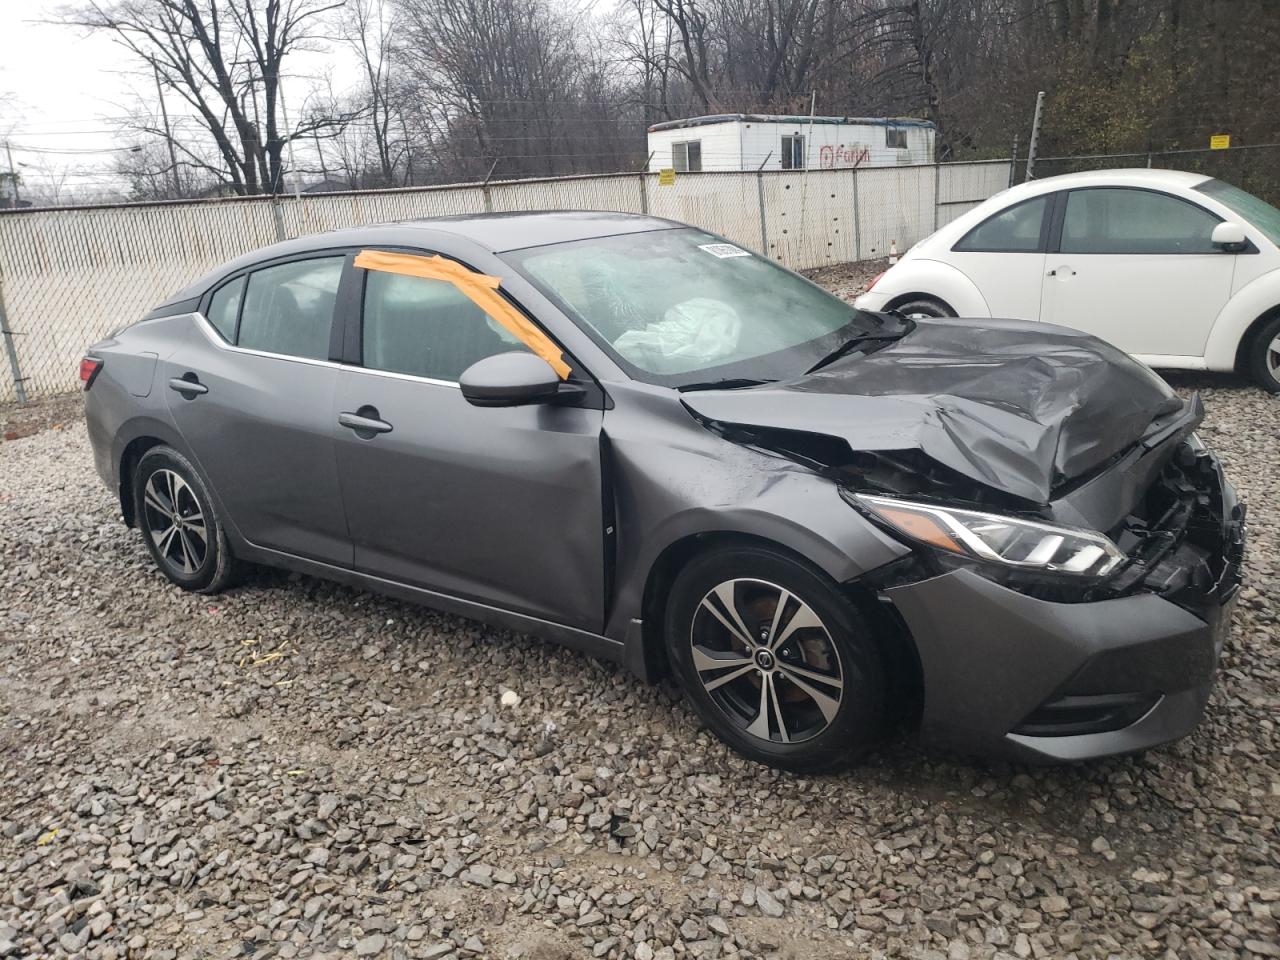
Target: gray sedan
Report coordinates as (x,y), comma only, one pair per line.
(649,444)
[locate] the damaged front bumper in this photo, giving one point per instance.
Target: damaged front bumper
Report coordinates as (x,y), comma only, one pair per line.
(1127,665)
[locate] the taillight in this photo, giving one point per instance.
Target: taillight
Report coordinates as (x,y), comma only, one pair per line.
(874,280)
(89,367)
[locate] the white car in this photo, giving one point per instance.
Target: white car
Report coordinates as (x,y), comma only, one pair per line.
(1179,270)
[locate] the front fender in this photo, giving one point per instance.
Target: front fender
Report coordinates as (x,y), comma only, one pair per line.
(669,495)
(1256,298)
(934,278)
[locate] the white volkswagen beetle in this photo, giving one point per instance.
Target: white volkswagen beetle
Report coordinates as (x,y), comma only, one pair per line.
(1180,270)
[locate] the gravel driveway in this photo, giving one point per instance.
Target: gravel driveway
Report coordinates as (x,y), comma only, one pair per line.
(299,769)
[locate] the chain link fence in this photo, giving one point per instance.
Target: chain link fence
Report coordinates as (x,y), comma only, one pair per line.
(68,276)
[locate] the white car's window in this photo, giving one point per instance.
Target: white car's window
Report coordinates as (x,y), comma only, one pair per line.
(427,328)
(1254,209)
(1117,220)
(1016,230)
(288,309)
(224,308)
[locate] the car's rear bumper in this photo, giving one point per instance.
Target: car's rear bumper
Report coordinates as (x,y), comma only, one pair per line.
(1014,675)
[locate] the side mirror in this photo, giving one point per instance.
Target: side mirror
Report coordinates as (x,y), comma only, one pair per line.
(509,380)
(1229,236)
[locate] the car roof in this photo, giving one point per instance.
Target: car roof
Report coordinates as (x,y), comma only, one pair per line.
(1132,177)
(494,232)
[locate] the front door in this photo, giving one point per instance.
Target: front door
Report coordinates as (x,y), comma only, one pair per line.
(1137,268)
(254,400)
(499,505)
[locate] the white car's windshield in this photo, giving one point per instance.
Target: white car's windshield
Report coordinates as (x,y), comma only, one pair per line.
(1254,209)
(680,306)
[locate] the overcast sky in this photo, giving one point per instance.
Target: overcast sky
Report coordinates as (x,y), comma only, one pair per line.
(68,87)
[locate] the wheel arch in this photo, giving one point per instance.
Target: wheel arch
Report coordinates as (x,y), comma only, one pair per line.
(935,280)
(1250,335)
(1239,321)
(892,637)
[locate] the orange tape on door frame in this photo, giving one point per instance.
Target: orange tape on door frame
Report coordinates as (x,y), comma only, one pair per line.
(479,288)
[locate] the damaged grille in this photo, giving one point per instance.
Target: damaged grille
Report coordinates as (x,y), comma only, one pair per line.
(1185,542)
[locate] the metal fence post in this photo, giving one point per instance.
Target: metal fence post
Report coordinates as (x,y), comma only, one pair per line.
(278,216)
(764,231)
(644,189)
(937,196)
(857,219)
(19,384)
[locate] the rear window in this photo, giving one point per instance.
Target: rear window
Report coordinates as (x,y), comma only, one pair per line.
(224,308)
(288,309)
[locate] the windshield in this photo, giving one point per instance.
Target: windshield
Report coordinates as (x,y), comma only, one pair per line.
(677,307)
(1254,209)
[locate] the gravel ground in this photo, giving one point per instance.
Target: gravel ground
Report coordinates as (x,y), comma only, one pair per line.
(299,769)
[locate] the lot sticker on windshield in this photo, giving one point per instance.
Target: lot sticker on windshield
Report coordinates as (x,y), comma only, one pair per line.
(724,250)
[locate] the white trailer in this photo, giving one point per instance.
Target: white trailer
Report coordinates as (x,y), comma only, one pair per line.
(741,141)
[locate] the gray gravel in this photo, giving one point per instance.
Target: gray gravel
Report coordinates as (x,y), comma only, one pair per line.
(299,769)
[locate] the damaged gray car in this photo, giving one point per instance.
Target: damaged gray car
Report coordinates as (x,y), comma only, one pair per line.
(644,442)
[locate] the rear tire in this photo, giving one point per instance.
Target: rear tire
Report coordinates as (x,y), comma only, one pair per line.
(178,523)
(1263,359)
(802,690)
(923,307)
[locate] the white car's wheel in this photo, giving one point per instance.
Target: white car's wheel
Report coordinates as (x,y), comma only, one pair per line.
(918,308)
(1264,356)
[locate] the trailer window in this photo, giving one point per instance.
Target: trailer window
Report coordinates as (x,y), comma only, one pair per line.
(686,156)
(793,153)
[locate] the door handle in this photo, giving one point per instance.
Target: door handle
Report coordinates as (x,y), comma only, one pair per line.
(1062,271)
(365,422)
(188,386)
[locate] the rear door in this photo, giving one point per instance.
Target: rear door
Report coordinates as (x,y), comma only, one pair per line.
(253,391)
(1137,268)
(498,505)
(1004,257)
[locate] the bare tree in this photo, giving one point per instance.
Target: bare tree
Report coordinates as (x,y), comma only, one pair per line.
(226,61)
(368,28)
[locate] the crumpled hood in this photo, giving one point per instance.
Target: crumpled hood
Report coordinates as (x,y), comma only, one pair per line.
(1017,406)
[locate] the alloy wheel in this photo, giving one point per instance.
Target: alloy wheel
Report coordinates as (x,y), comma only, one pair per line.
(175,521)
(1273,358)
(767,660)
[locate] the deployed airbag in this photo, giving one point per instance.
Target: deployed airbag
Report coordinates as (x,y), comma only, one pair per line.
(694,333)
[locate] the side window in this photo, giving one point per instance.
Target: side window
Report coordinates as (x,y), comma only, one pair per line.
(1016,230)
(224,307)
(895,138)
(1117,220)
(427,328)
(288,309)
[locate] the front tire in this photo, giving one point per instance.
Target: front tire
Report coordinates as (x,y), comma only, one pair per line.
(1264,356)
(176,517)
(775,660)
(923,308)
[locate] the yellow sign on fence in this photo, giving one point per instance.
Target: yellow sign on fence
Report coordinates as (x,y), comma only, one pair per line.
(1220,141)
(667,177)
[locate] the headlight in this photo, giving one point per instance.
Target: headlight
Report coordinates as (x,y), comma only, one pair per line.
(1011,541)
